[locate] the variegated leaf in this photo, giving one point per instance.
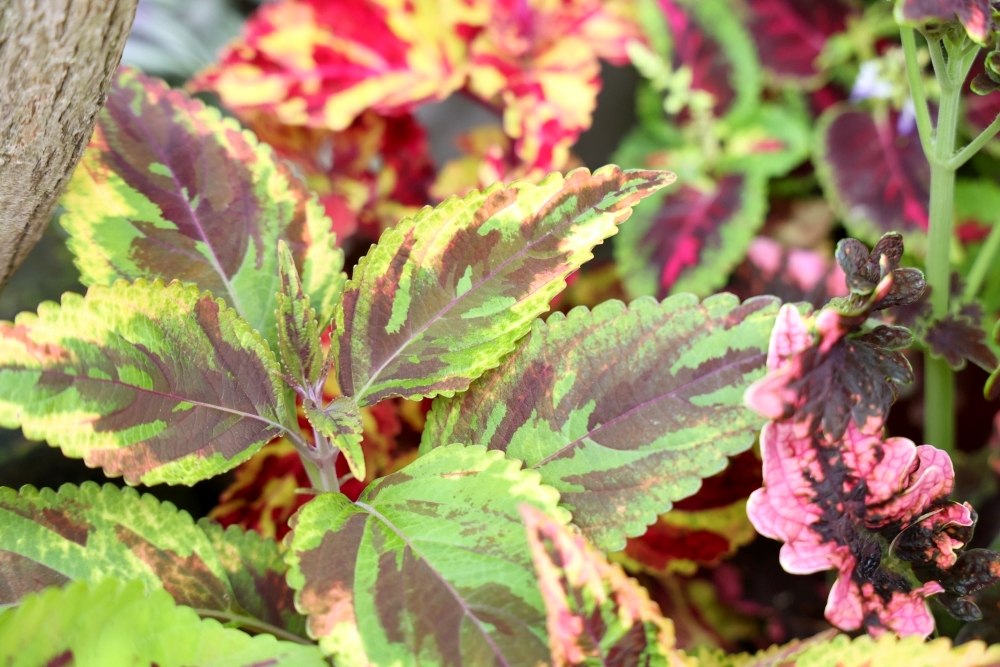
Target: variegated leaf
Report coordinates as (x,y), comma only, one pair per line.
(169,189)
(299,345)
(159,384)
(693,237)
(623,410)
(445,295)
(323,62)
(887,651)
(596,613)
(120,625)
(89,533)
(429,567)
(341,423)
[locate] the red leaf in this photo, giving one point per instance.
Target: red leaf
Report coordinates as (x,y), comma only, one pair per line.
(323,62)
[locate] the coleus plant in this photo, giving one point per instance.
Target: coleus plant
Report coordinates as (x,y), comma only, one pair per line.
(167,383)
(618,411)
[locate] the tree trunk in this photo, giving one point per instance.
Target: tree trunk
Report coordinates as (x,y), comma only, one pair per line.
(57,58)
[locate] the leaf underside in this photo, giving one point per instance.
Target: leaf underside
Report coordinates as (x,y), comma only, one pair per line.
(159,384)
(445,295)
(119,625)
(623,409)
(169,189)
(430,566)
(90,532)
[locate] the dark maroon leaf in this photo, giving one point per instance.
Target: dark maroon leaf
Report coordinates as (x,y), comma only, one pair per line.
(791,34)
(877,179)
(957,339)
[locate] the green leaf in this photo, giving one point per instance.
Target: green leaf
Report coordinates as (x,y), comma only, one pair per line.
(119,625)
(594,609)
(429,567)
(340,421)
(299,345)
(445,295)
(89,533)
(169,189)
(159,384)
(624,410)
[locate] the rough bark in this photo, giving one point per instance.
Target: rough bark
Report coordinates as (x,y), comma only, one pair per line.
(57,58)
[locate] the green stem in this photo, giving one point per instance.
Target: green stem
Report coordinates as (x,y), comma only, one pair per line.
(252,624)
(939,399)
(976,144)
(984,262)
(924,126)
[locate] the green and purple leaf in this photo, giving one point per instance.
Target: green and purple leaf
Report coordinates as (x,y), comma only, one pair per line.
(791,34)
(691,238)
(169,189)
(706,37)
(299,345)
(430,566)
(624,410)
(876,178)
(91,532)
(118,625)
(596,613)
(446,294)
(159,384)
(975,15)
(340,423)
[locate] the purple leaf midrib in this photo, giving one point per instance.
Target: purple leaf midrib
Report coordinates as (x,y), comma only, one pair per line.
(162,394)
(635,408)
(195,220)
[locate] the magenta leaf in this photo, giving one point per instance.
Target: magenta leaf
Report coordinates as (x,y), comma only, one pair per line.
(791,34)
(821,377)
(824,370)
(876,178)
(974,15)
(835,505)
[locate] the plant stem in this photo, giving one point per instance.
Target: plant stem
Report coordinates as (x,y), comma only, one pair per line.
(976,144)
(924,126)
(252,624)
(939,399)
(984,262)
